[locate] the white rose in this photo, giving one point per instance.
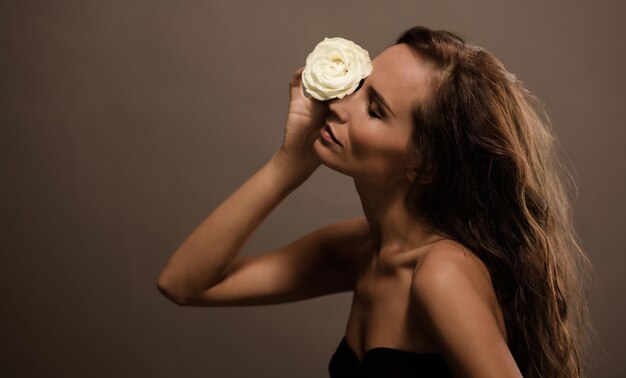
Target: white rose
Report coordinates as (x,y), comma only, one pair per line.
(335,68)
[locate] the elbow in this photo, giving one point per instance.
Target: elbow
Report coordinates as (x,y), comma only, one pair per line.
(169,290)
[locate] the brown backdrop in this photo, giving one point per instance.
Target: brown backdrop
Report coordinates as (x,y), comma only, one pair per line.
(124,123)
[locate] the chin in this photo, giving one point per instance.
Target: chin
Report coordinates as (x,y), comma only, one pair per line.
(323,153)
(327,157)
(332,158)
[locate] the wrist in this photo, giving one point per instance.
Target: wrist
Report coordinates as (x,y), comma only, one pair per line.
(294,170)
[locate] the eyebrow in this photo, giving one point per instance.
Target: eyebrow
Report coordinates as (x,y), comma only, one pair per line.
(378,98)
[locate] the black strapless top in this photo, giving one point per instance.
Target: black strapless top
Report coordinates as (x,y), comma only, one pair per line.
(384,362)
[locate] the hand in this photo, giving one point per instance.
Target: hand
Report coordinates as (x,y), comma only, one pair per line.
(305,118)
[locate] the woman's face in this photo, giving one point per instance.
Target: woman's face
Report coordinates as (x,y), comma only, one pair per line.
(373,138)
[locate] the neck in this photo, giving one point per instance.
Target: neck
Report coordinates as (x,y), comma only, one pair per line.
(393,229)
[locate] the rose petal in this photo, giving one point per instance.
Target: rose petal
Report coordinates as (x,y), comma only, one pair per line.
(335,68)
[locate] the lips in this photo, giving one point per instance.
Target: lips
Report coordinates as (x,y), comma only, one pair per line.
(330,131)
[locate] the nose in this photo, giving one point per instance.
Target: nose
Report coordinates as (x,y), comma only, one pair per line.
(338,107)
(336,111)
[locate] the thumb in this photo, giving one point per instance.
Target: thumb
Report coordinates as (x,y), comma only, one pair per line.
(296,79)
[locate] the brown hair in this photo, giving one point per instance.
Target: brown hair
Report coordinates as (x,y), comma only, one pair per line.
(500,188)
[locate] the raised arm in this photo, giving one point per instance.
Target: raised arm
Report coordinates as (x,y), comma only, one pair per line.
(206,255)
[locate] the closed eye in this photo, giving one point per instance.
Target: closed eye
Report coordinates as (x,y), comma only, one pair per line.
(370,112)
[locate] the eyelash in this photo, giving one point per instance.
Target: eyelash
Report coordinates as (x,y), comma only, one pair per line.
(370,113)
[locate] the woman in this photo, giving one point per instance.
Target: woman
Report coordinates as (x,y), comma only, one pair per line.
(465,263)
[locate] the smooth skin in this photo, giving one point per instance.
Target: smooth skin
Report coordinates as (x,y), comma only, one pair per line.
(387,255)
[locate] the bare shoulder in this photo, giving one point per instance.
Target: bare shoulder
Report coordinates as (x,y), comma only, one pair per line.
(450,275)
(455,303)
(448,259)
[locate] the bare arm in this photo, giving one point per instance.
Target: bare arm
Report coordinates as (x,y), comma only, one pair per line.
(205,256)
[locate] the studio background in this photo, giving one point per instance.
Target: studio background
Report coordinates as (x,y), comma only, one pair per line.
(124,123)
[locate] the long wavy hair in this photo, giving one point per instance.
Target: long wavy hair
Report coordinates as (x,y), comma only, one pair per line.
(500,186)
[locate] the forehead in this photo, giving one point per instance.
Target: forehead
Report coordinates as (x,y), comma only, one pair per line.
(399,75)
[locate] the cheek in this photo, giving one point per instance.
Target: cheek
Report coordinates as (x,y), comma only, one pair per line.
(365,142)
(378,149)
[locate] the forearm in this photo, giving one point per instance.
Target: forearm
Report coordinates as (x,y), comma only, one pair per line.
(206,254)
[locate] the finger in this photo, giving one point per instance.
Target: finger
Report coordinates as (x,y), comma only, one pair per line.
(297,77)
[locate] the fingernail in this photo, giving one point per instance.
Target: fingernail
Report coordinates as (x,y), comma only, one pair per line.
(306,94)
